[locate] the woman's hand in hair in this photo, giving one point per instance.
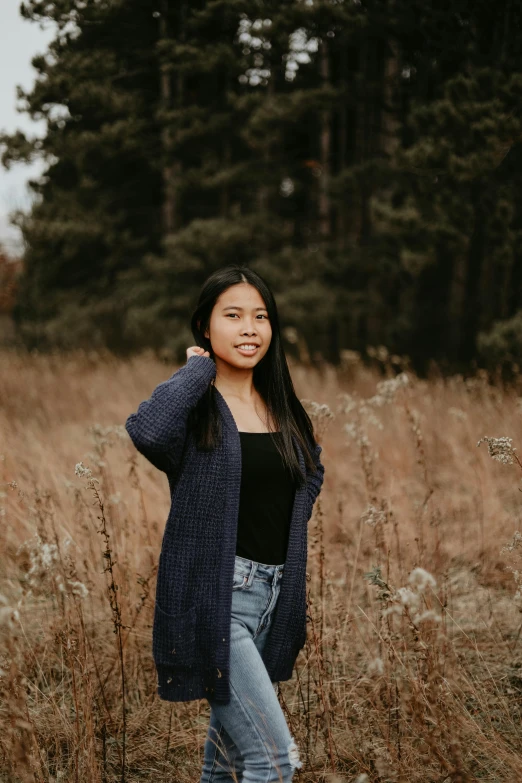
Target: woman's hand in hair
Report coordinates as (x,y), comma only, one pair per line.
(195,350)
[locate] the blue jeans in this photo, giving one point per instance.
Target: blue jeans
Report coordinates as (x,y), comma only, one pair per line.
(248,739)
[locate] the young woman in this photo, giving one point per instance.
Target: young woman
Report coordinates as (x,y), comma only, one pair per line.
(244,471)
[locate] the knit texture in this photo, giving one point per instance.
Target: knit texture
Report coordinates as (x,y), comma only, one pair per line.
(192,613)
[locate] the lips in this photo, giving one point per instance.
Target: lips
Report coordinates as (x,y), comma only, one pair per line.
(249,352)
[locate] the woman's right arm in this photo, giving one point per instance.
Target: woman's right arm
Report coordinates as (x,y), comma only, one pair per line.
(158,427)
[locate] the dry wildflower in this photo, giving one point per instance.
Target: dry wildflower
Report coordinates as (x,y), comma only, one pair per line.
(74,587)
(363,440)
(500,449)
(387,390)
(46,567)
(358,709)
(457,413)
(320,415)
(375,578)
(383,765)
(348,403)
(105,436)
(480,388)
(82,471)
(352,430)
(393,609)
(317,411)
(349,358)
(415,419)
(386,393)
(429,614)
(95,460)
(421,579)
(376,667)
(291,334)
(409,598)
(43,558)
(515,543)
(373,516)
(371,418)
(8,615)
(380,352)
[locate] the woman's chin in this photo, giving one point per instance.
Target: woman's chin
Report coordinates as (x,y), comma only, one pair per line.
(240,361)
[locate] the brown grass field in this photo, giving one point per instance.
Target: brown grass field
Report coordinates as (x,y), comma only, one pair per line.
(412,670)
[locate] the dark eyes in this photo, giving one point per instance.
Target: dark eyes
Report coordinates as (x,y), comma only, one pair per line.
(257,316)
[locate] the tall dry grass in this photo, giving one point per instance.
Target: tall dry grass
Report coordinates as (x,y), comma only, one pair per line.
(412,669)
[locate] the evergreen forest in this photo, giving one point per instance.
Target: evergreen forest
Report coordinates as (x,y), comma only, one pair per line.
(365,156)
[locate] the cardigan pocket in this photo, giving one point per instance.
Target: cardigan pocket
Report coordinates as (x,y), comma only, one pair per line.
(174,638)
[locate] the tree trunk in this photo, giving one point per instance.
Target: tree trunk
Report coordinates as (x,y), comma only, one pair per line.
(341,209)
(224,196)
(389,123)
(457,301)
(325,144)
(171,168)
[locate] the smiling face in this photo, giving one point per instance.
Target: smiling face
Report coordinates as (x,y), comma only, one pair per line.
(240,318)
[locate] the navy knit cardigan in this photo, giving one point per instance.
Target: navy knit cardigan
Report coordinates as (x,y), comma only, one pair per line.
(191,631)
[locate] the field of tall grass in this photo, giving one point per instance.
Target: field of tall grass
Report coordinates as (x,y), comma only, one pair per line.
(412,670)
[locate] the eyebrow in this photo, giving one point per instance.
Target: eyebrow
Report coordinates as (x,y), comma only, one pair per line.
(235,307)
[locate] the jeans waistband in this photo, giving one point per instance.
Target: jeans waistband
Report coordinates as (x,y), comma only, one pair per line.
(262,570)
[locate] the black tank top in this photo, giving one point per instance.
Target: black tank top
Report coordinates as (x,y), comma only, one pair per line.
(266,500)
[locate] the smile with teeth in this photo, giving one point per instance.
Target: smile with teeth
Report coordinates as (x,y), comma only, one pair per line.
(247,348)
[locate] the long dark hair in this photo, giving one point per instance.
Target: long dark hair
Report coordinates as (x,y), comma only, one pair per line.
(271,376)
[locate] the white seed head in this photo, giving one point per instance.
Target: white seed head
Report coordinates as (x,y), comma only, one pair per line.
(82,471)
(387,390)
(429,614)
(9,616)
(457,413)
(352,430)
(78,588)
(421,579)
(515,543)
(408,598)
(376,667)
(373,516)
(500,449)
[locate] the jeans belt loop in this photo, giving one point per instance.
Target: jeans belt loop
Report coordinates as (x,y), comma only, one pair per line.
(253,567)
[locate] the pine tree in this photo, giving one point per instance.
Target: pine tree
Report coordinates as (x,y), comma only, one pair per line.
(98,206)
(364,157)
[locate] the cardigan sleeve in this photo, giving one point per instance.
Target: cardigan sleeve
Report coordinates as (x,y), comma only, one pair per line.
(158,427)
(314,480)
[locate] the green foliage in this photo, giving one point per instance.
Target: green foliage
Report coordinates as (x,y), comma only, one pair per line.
(503,342)
(365,158)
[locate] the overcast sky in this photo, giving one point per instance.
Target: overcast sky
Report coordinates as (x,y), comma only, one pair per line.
(20,40)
